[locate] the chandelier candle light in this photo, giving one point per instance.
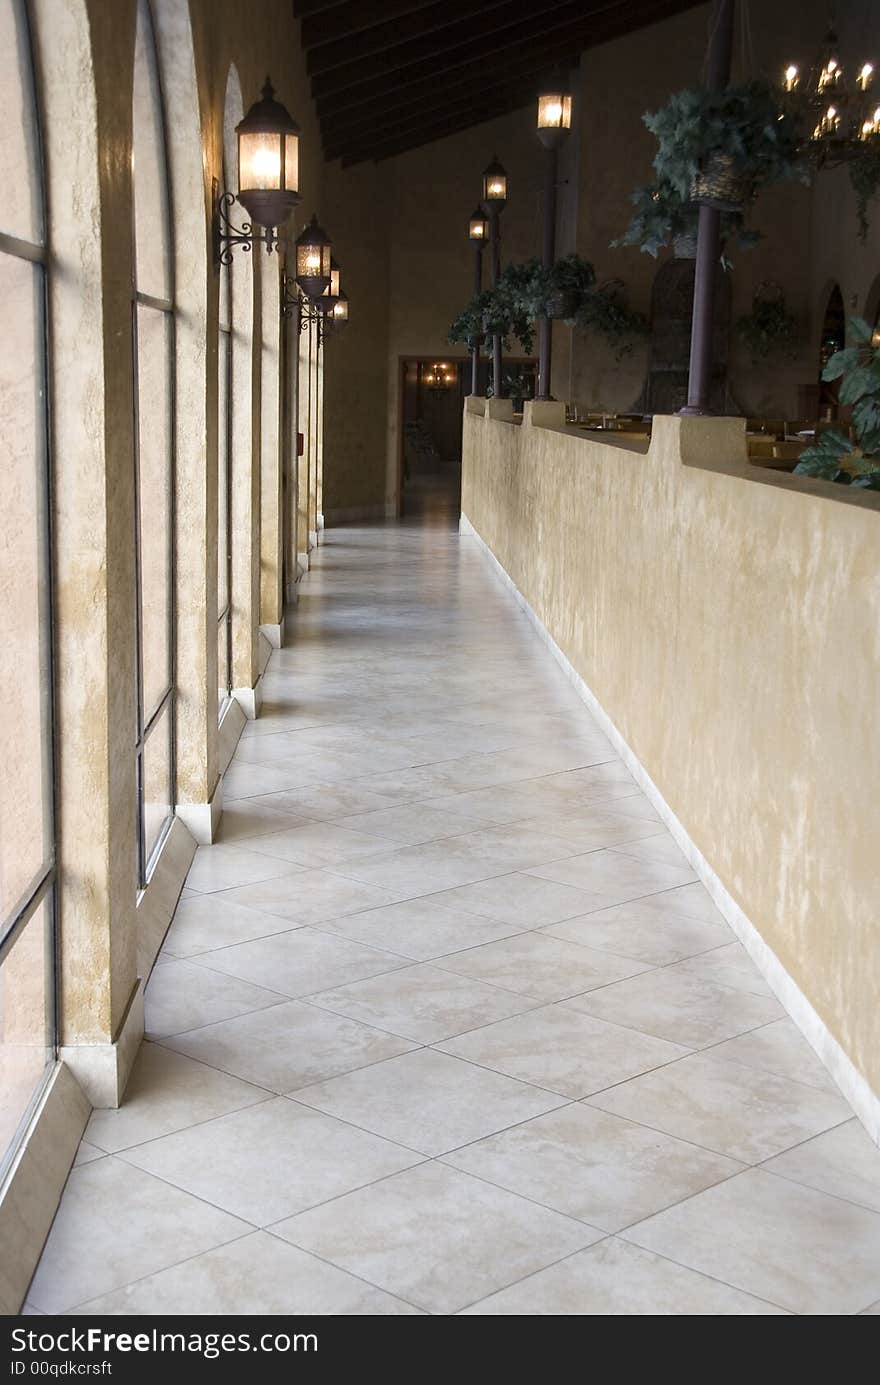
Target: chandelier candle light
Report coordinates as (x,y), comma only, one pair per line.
(841,116)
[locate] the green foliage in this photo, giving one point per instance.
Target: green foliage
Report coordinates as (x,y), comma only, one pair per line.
(834,456)
(568,289)
(662,215)
(769,330)
(742,122)
(864,175)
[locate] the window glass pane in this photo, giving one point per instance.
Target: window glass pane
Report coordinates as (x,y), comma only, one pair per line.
(157,790)
(26,1021)
(223,660)
(24,736)
(20,213)
(155,497)
(223,473)
(150,181)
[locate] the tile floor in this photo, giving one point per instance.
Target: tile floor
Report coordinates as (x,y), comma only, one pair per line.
(444,1022)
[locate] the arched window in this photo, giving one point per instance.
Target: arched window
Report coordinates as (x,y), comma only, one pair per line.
(225,435)
(27,855)
(153,335)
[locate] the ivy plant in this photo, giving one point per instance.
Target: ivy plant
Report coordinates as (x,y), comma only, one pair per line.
(662,216)
(834,456)
(769,330)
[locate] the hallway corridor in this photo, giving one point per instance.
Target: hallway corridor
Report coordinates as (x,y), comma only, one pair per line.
(445,1023)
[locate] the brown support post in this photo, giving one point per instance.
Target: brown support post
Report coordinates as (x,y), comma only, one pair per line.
(548,255)
(478,288)
(495,241)
(709,230)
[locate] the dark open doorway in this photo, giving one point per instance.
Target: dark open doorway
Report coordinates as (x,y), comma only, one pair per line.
(432,390)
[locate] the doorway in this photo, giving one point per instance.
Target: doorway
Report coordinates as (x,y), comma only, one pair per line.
(432,390)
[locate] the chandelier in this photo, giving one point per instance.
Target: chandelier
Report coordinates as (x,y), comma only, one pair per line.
(841,118)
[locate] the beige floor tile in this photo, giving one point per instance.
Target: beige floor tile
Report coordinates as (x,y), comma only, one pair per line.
(86,1154)
(808,1252)
(436,1237)
(428,1101)
(612,876)
(844,1161)
(522,900)
(423,1003)
(680,1008)
(591,830)
(406,827)
(594,1166)
(223,867)
(419,929)
(620,1280)
(691,900)
(310,897)
(738,1111)
(412,871)
(251,817)
(563,1050)
(729,965)
(116,1224)
(259,1276)
(300,962)
(166,1092)
(319,844)
(181,995)
(328,802)
(271,1161)
(660,847)
(643,932)
(535,965)
(242,780)
(781,1048)
(204,922)
(288,1046)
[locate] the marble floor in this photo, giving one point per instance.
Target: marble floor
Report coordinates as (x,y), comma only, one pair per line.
(445,1023)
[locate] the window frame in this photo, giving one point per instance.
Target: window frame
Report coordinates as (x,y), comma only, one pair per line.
(42,886)
(144,726)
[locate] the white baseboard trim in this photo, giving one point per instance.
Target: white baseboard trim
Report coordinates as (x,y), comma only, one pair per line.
(350,514)
(35,1181)
(302,563)
(203,819)
(274,633)
(102,1070)
(313,538)
(320,522)
(250,700)
(863,1100)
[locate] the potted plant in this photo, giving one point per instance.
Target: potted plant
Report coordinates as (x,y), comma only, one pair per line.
(663,217)
(835,457)
(769,329)
(721,148)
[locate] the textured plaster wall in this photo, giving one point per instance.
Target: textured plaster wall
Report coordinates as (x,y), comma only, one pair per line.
(729,628)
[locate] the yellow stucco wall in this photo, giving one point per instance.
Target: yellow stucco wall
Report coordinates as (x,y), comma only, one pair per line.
(728,621)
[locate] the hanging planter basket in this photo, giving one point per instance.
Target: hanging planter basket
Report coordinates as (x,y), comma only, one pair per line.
(561,305)
(685,247)
(718,185)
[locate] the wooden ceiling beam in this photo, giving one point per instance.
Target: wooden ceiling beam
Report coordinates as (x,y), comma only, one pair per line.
(404,145)
(416,126)
(431,30)
(354,18)
(471,63)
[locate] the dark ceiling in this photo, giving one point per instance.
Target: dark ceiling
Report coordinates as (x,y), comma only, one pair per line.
(391,75)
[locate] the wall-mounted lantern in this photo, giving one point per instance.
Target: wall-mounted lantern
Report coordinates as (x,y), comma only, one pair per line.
(268,178)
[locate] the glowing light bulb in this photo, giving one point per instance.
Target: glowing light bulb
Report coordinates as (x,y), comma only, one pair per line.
(267,165)
(313,262)
(553,113)
(791,77)
(496,189)
(865,76)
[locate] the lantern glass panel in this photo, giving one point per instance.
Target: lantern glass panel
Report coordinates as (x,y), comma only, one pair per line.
(478,229)
(495,187)
(554,111)
(259,161)
(291,163)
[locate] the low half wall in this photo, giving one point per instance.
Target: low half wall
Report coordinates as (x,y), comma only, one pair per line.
(726,620)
